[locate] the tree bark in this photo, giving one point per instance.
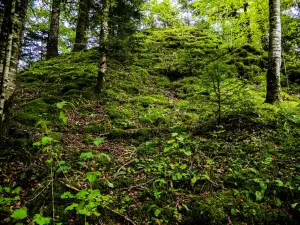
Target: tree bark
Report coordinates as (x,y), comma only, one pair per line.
(82,27)
(103,48)
(10,46)
(273,74)
(52,44)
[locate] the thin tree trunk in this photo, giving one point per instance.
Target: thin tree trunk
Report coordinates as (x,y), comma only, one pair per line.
(273,74)
(52,44)
(82,27)
(5,64)
(103,48)
(11,34)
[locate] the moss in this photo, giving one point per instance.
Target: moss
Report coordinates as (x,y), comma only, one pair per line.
(149,100)
(34,111)
(94,129)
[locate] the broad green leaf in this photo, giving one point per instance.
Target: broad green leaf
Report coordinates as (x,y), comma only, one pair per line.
(82,194)
(259,195)
(98,141)
(91,176)
(194,180)
(183,166)
(67,195)
(19,214)
(40,220)
(46,140)
(109,184)
(188,153)
(63,117)
(233,211)
(71,207)
(16,190)
(86,155)
(157,212)
(60,105)
(279,183)
(179,176)
(277,202)
(253,170)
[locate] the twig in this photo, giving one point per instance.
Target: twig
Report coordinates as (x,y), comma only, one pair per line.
(126,164)
(138,185)
(69,186)
(37,194)
(124,217)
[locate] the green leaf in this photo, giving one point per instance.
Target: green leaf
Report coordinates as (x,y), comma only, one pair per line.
(185,206)
(279,183)
(157,212)
(66,195)
(180,138)
(253,170)
(294,205)
(37,144)
(205,177)
(86,155)
(98,141)
(63,117)
(188,153)
(7,189)
(194,180)
(82,194)
(109,184)
(46,140)
(179,176)
(103,155)
(183,166)
(40,220)
(233,211)
(91,176)
(277,202)
(167,149)
(71,207)
(259,195)
(60,105)
(16,190)
(19,214)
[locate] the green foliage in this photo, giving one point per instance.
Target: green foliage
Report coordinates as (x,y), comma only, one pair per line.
(164,159)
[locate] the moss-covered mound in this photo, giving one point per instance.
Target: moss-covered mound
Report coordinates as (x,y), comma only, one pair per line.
(188,139)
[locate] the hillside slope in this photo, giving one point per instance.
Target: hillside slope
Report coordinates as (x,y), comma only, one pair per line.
(175,150)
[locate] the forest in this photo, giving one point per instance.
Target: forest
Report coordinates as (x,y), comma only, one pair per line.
(133,112)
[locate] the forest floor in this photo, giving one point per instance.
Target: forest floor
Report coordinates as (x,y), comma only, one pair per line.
(152,148)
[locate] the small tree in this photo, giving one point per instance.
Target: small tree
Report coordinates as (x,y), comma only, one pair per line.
(222,82)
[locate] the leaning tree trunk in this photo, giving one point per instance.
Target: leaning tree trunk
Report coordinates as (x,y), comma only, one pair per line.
(52,44)
(273,74)
(82,27)
(10,46)
(103,48)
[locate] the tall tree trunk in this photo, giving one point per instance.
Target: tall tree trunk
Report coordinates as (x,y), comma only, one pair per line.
(273,74)
(52,44)
(82,27)
(103,48)
(10,46)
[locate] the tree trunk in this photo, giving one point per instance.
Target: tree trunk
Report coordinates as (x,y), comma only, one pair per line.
(273,74)
(52,44)
(103,48)
(10,46)
(82,27)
